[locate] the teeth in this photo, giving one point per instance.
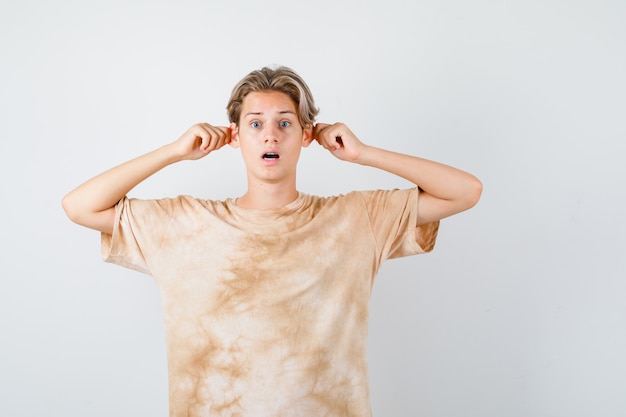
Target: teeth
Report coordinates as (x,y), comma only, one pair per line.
(270,155)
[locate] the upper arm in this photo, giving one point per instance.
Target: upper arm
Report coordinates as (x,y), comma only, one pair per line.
(431,208)
(103,221)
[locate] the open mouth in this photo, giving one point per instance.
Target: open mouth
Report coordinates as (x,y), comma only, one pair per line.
(270,155)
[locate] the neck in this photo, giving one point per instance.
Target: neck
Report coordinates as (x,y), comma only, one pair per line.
(267,196)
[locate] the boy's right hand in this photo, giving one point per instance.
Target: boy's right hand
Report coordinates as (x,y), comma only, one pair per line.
(200,140)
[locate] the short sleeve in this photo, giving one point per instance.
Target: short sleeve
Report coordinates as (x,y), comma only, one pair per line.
(138,224)
(393,218)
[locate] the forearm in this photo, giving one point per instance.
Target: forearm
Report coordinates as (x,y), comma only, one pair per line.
(91,204)
(105,190)
(437,179)
(447,190)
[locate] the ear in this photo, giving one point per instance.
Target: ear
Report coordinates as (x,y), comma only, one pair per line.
(234,135)
(307,136)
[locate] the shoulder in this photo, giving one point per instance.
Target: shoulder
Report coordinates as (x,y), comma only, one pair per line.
(367,197)
(172,205)
(379,196)
(352,197)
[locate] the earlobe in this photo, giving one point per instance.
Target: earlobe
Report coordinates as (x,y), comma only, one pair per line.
(307,136)
(234,135)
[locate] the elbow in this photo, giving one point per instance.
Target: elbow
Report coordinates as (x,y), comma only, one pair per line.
(474,191)
(68,208)
(71,208)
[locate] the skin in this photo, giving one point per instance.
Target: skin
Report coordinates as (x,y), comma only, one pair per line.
(269,122)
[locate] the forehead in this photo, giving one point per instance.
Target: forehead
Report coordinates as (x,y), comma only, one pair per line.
(267,102)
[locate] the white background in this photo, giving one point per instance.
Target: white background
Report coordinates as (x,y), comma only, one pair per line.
(520,309)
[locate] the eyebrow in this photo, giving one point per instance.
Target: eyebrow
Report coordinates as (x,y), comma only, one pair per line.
(258,113)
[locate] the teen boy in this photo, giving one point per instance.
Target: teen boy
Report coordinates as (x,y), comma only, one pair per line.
(266,296)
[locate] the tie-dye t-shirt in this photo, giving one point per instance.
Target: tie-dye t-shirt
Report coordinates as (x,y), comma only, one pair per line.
(266,311)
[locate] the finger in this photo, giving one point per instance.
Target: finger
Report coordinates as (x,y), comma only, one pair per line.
(202,133)
(215,138)
(338,141)
(318,128)
(225,134)
(322,134)
(333,139)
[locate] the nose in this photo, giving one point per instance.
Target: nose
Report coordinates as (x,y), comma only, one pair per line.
(270,134)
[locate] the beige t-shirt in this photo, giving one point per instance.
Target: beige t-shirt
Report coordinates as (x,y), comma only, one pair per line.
(266,311)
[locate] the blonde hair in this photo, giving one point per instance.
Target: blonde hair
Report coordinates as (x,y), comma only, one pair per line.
(282,79)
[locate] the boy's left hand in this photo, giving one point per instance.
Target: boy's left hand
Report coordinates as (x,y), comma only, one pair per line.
(339,140)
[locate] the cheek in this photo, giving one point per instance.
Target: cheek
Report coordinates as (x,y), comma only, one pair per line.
(251,134)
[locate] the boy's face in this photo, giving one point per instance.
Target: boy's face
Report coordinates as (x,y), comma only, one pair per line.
(270,136)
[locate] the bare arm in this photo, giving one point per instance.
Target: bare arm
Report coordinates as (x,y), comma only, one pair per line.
(92,203)
(446,190)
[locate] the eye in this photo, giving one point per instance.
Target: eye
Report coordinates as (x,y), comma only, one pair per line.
(285,123)
(255,124)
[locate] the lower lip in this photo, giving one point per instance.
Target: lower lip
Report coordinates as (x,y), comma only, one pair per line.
(270,161)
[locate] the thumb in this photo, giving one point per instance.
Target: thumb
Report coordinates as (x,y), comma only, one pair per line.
(317,129)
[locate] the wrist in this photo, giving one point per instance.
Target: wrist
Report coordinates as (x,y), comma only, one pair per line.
(170,154)
(367,156)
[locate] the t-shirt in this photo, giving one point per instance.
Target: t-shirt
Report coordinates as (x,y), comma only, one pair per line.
(266,311)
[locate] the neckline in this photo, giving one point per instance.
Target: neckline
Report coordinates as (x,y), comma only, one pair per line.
(292,206)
